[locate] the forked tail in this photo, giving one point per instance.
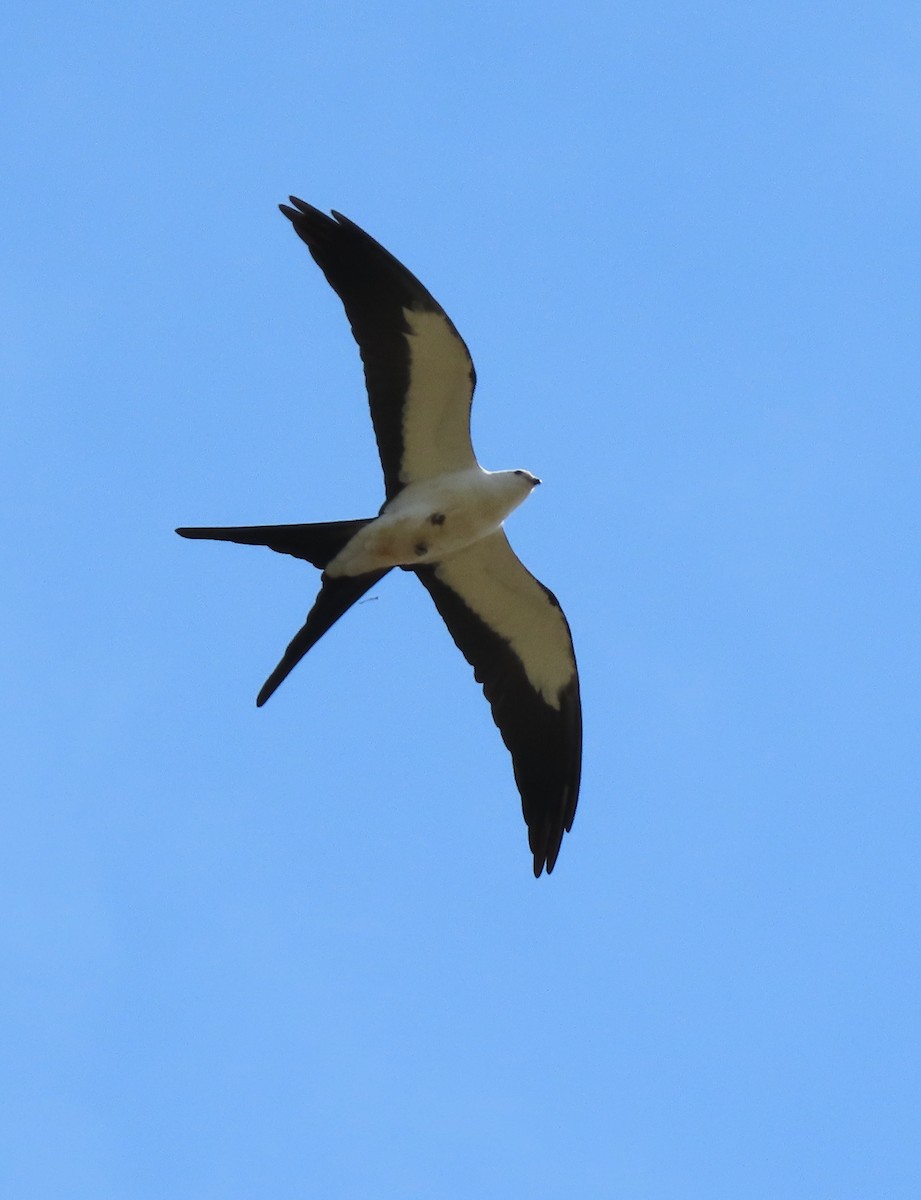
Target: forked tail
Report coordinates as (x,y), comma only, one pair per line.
(318,544)
(336,597)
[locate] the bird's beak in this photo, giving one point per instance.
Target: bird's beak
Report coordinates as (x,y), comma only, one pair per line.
(536,481)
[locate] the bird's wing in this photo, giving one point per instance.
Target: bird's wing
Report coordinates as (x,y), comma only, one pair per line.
(512,631)
(418,372)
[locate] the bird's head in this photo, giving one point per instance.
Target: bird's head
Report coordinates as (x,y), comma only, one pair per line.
(513,487)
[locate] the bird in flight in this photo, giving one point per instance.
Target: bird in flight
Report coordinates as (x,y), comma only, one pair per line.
(442,520)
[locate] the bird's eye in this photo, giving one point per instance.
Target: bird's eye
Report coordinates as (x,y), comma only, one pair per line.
(519,473)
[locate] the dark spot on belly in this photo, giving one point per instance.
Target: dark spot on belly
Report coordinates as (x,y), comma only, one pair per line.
(437,518)
(421,548)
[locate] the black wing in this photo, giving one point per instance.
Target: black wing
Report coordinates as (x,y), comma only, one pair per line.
(512,631)
(418,371)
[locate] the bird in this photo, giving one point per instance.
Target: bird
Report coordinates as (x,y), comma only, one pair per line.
(442,520)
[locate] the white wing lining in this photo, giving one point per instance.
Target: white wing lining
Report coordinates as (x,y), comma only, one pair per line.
(494,583)
(436,413)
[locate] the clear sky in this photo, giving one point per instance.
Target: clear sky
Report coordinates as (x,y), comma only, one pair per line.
(299,952)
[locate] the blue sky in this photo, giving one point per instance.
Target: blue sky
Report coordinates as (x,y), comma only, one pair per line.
(299,951)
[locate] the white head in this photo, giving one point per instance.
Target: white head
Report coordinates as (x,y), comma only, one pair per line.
(513,487)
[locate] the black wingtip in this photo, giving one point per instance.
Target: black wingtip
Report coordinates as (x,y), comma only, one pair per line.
(545,845)
(299,207)
(296,209)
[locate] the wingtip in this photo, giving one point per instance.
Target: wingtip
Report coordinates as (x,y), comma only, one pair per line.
(294,208)
(546,852)
(542,863)
(298,207)
(311,224)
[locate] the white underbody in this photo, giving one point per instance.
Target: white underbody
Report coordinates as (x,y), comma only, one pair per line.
(434,518)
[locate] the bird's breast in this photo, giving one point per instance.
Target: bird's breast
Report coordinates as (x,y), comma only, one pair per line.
(425,523)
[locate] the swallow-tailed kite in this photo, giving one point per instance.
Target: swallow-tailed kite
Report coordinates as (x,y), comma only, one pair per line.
(442,519)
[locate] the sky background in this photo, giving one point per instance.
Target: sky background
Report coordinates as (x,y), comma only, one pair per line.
(299,952)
